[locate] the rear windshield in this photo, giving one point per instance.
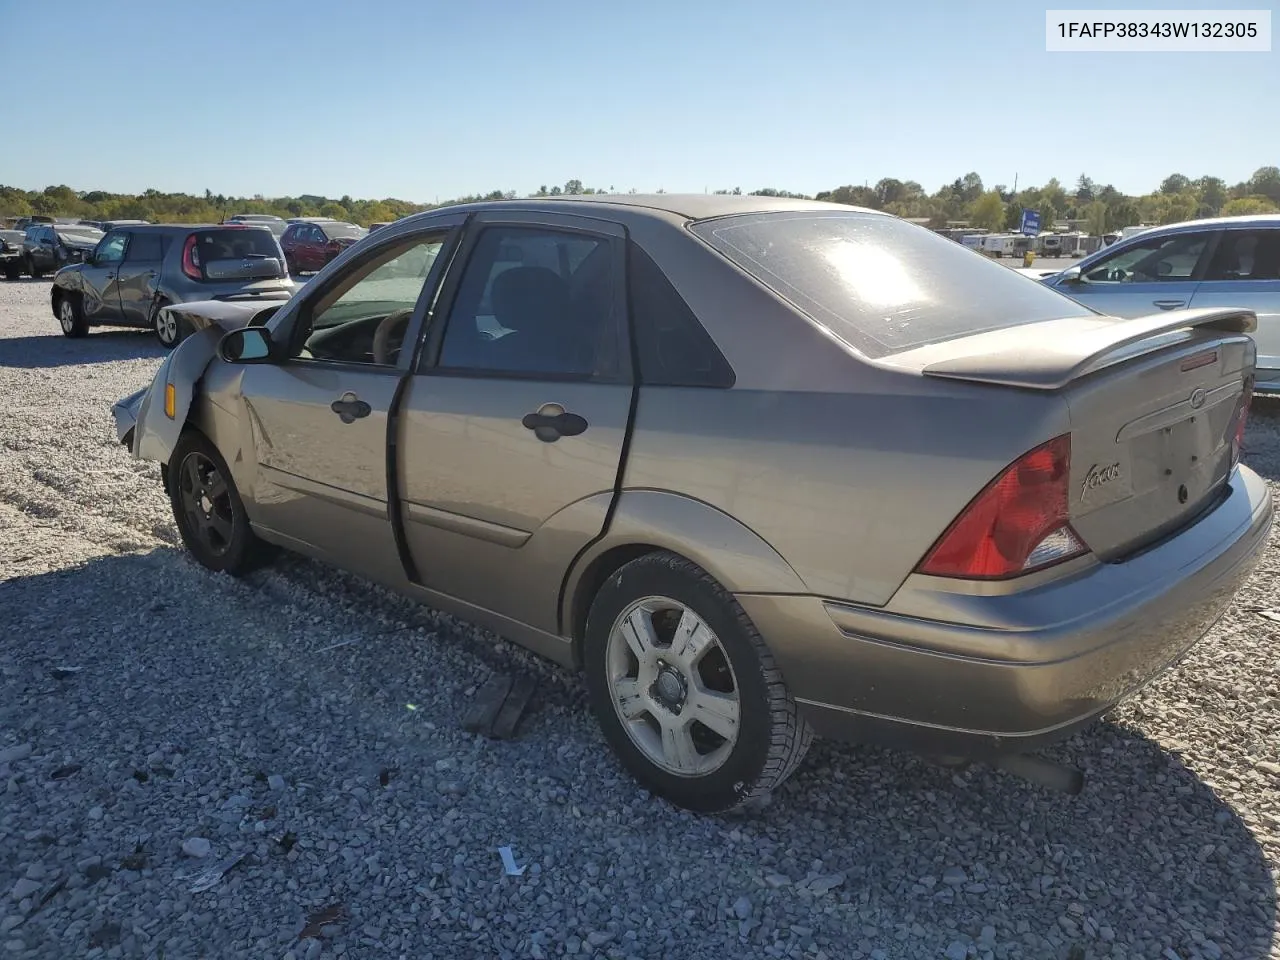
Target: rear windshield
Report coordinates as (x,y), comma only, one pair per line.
(879,283)
(336,231)
(235,244)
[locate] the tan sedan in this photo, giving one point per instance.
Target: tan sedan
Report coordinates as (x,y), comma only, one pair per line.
(760,468)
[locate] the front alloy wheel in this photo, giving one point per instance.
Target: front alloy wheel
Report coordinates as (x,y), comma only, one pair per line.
(165,323)
(69,316)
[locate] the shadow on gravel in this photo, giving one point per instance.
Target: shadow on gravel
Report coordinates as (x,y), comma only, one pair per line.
(55,350)
(868,850)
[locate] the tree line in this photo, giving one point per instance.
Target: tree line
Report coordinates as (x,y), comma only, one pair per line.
(1099,208)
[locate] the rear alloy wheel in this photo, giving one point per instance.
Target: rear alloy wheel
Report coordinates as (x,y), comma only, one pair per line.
(208,510)
(71,317)
(686,691)
(165,325)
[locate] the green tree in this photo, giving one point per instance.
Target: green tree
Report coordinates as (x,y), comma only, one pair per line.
(1266,182)
(1084,190)
(1213,194)
(1096,214)
(335,210)
(1248,206)
(988,211)
(1174,183)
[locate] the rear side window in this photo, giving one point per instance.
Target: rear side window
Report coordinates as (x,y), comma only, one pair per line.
(144,247)
(879,283)
(673,347)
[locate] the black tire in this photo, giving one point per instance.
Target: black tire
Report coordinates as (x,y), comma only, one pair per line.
(13,270)
(291,266)
(169,337)
(70,314)
(35,272)
(219,538)
(771,738)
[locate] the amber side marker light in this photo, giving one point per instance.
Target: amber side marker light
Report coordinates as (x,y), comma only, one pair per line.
(170,401)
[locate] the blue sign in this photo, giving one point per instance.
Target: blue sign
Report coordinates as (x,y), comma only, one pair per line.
(1030,222)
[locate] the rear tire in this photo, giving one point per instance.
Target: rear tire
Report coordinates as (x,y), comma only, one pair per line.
(71,316)
(167,327)
(702,717)
(208,510)
(13,270)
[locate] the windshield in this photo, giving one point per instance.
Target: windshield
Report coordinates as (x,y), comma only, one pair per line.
(880,284)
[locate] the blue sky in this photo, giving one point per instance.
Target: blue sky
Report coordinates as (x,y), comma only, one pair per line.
(429,99)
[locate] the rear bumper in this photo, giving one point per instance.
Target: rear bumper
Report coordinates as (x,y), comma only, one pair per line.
(1010,672)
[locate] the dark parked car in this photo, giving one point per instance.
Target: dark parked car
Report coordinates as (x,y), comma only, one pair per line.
(136,271)
(50,246)
(11,253)
(310,244)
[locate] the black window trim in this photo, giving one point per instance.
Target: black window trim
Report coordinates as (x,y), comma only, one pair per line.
(293,326)
(608,231)
(1197,272)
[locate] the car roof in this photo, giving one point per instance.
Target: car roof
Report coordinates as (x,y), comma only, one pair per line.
(1267,220)
(187,227)
(667,206)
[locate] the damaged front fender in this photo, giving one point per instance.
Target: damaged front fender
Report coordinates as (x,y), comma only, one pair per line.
(142,423)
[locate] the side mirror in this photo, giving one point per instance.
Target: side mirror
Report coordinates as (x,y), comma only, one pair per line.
(1071,275)
(89,257)
(246,345)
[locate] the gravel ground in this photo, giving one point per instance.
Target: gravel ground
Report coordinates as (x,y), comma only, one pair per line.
(157,721)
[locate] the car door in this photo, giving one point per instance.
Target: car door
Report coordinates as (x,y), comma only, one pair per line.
(1245,272)
(99,280)
(137,274)
(316,255)
(42,248)
(318,418)
(512,427)
(1153,272)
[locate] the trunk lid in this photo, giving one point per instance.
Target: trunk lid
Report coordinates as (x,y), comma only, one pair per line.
(1154,405)
(254,267)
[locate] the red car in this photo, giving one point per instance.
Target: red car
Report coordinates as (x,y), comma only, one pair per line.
(308,245)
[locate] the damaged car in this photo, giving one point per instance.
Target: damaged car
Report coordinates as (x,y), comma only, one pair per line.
(761,468)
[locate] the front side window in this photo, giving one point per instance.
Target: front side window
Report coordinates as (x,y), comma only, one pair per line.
(111,249)
(536,302)
(363,315)
(1246,255)
(1151,260)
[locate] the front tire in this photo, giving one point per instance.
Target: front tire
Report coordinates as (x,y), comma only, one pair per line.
(71,316)
(35,272)
(685,690)
(208,510)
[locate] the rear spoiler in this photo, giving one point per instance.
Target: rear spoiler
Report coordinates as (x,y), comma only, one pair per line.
(1048,356)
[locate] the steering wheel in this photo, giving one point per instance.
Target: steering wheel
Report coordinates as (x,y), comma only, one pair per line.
(383,352)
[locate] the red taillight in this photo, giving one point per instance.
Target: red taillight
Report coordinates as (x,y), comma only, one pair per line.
(1018,523)
(191,259)
(1242,418)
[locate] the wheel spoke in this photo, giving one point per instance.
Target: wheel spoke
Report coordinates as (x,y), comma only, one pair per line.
(195,483)
(629,695)
(640,635)
(717,711)
(691,640)
(219,525)
(678,748)
(216,487)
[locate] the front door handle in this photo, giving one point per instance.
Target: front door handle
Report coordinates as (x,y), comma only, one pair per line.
(552,422)
(350,408)
(1169,304)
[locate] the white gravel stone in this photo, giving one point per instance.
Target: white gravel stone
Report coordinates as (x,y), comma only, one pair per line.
(196,847)
(1177,830)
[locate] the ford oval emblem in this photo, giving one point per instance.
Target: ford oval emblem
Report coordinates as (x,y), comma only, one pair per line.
(1198,397)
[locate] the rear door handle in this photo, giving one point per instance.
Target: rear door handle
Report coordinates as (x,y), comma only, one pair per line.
(552,421)
(350,408)
(1169,304)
